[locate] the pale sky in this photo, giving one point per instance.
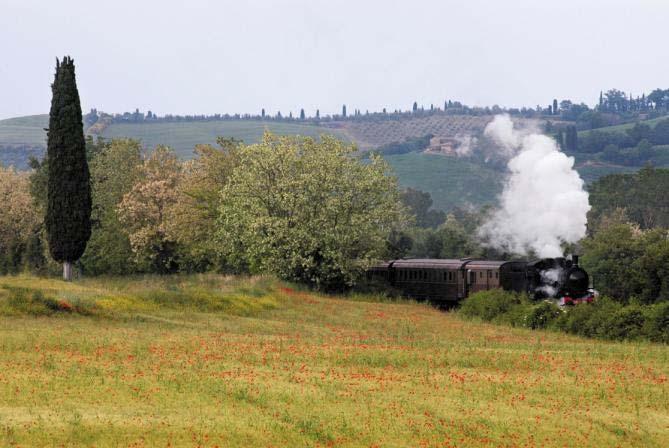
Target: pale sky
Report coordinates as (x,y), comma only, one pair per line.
(207,56)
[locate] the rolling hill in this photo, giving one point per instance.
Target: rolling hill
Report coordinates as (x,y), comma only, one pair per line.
(24,131)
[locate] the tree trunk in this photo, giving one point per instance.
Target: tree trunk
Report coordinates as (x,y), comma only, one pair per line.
(67,271)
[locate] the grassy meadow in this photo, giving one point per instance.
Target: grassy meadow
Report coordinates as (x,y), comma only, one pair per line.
(223,361)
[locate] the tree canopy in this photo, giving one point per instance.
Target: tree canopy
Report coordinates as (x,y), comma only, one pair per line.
(307,211)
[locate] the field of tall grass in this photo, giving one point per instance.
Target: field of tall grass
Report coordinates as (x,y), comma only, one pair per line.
(225,361)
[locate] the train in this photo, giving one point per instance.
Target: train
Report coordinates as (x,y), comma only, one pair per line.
(448,281)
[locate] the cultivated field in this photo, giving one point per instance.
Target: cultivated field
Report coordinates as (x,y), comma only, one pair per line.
(370,134)
(219,361)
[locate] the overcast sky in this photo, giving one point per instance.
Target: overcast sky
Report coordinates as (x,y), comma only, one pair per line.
(209,56)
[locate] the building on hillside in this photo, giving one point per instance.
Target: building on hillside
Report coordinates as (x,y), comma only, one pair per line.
(443,145)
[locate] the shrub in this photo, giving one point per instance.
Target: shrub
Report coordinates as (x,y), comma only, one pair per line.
(624,323)
(587,319)
(542,315)
(656,326)
(36,303)
(488,305)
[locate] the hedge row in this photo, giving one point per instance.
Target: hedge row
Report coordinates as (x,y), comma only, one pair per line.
(603,319)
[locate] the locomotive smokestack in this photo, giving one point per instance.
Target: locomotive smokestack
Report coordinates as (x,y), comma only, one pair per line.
(574,259)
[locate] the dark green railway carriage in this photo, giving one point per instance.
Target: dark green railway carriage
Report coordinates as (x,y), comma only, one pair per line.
(450,280)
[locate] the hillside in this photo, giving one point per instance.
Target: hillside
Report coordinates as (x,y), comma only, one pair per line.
(24,136)
(371,134)
(623,127)
(451,181)
(253,362)
(24,131)
(183,137)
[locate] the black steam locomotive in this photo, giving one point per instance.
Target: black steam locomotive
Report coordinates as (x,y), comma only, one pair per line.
(443,281)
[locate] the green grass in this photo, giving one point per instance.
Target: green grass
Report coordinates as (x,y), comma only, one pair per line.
(307,370)
(183,137)
(451,181)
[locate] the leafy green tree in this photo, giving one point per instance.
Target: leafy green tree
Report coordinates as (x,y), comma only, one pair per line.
(654,263)
(115,168)
(611,257)
(419,203)
(68,209)
(146,211)
(193,217)
(19,220)
(307,211)
(660,133)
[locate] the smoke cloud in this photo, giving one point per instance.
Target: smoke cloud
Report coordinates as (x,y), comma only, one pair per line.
(543,203)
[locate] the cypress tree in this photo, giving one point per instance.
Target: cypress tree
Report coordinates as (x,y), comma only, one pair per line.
(68,213)
(302,116)
(555,107)
(343,111)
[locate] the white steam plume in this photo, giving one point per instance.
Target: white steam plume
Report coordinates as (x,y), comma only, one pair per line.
(543,203)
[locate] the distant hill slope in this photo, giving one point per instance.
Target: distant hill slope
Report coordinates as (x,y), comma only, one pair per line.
(24,131)
(183,137)
(451,181)
(623,127)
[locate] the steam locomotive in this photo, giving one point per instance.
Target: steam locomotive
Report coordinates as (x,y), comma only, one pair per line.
(443,280)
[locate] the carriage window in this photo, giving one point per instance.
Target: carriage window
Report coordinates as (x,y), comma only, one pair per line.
(496,274)
(424,275)
(444,276)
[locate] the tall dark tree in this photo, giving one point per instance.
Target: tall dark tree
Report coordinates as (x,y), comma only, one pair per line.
(68,212)
(318,114)
(302,116)
(571,139)
(262,113)
(343,111)
(555,107)
(415,106)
